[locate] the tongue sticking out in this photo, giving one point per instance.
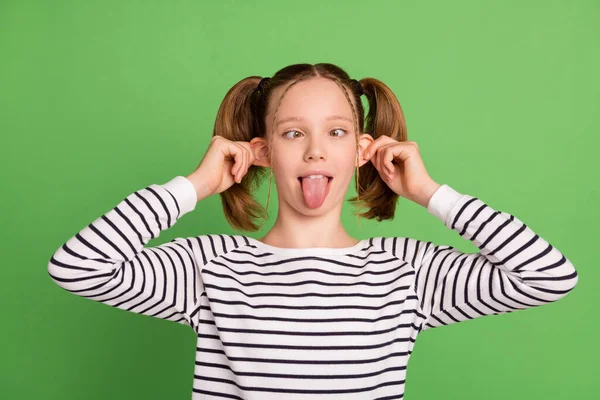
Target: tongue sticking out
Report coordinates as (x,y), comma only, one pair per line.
(314,190)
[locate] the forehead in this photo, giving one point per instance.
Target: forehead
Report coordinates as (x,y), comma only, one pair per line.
(315,98)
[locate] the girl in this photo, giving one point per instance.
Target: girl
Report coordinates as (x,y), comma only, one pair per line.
(308,311)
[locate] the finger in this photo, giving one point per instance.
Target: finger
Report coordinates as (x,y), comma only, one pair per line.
(238,157)
(376,160)
(240,171)
(380,164)
(245,165)
(381,159)
(388,158)
(235,165)
(230,153)
(381,141)
(384,165)
(402,152)
(250,157)
(234,168)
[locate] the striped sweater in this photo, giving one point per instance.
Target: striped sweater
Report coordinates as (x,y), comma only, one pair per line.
(298,323)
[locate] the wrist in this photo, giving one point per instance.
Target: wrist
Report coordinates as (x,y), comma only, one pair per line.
(427,192)
(202,191)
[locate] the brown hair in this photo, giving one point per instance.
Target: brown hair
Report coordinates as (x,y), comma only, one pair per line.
(242,117)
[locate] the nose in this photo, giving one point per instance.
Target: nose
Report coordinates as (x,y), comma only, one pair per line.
(315,149)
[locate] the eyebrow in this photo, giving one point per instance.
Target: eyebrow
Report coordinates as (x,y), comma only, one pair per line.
(331,117)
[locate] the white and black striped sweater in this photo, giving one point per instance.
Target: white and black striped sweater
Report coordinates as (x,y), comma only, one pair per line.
(275,323)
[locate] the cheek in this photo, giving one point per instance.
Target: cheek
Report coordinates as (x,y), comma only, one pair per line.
(350,155)
(284,166)
(345,163)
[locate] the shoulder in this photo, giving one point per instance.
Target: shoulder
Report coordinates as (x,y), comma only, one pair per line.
(407,249)
(210,246)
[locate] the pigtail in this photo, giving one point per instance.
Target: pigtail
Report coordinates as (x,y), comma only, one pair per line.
(236,121)
(385,117)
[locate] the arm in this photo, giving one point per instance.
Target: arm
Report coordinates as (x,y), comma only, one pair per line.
(514,269)
(107,261)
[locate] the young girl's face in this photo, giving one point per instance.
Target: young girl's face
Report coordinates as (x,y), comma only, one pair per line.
(313,133)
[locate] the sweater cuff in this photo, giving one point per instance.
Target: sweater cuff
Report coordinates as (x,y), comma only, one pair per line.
(441,202)
(184,192)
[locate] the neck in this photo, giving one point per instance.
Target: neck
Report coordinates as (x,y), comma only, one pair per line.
(295,230)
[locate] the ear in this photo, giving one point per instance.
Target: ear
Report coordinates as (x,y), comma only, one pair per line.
(261,152)
(364,140)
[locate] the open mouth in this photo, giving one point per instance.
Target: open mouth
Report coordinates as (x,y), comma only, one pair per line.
(315,190)
(329,179)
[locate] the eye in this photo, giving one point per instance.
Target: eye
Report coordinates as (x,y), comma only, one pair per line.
(286,134)
(340,130)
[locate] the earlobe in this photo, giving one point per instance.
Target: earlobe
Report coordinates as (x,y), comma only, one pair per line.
(261,153)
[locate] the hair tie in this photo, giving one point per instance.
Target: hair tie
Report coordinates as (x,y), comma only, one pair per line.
(262,83)
(358,87)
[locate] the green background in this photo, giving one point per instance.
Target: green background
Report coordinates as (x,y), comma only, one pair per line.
(101,98)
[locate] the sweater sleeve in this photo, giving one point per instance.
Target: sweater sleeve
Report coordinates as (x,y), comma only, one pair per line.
(514,268)
(107,260)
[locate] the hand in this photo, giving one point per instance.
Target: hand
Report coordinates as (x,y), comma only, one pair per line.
(402,169)
(224,163)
